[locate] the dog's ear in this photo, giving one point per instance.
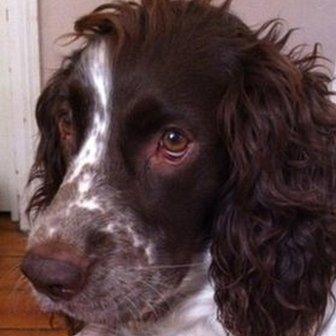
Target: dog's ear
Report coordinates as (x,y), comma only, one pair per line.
(274,251)
(50,164)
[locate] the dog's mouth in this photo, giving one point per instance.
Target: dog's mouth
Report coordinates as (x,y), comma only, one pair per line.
(130,310)
(128,307)
(112,316)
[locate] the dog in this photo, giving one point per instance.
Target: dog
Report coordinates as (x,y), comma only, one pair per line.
(187,178)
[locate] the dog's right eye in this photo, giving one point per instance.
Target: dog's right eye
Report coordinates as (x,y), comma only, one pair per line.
(175,142)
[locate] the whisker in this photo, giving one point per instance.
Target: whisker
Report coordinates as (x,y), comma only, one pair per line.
(147,300)
(126,297)
(151,267)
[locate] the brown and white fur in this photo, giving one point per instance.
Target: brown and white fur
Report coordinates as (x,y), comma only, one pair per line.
(187,169)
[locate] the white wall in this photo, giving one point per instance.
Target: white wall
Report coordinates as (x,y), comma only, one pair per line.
(315,18)
(56,19)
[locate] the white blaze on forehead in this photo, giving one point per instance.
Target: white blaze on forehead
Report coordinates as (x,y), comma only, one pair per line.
(99,72)
(96,70)
(80,183)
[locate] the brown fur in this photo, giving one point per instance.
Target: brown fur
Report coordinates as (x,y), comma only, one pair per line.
(273,238)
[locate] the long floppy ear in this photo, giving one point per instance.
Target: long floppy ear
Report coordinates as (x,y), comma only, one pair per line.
(274,247)
(49,166)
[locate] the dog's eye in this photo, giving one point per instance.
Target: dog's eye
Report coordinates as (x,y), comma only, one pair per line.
(65,124)
(66,118)
(175,143)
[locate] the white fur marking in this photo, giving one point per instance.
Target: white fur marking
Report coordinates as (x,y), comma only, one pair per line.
(110,228)
(97,70)
(89,204)
(51,232)
(84,184)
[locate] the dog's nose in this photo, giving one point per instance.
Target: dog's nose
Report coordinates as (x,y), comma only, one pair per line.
(56,270)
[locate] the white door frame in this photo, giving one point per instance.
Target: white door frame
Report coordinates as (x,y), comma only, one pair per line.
(334,84)
(23,60)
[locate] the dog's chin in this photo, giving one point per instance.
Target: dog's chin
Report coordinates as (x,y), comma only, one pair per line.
(46,305)
(77,311)
(105,314)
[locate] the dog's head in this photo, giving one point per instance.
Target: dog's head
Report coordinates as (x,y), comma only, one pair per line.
(174,131)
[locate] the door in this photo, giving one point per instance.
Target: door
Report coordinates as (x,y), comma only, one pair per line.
(5,155)
(19,88)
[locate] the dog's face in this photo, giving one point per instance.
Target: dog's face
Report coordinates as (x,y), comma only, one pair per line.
(174,132)
(143,166)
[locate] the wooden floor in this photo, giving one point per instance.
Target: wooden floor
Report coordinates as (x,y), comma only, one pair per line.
(19,315)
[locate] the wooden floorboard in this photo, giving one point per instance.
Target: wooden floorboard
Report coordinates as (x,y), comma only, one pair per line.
(19,314)
(12,243)
(16,332)
(10,276)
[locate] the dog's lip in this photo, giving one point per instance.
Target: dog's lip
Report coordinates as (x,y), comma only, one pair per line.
(54,291)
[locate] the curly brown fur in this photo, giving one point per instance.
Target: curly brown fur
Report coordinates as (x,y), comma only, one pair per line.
(274,248)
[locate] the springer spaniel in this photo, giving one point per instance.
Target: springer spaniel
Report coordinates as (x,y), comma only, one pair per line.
(187,168)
